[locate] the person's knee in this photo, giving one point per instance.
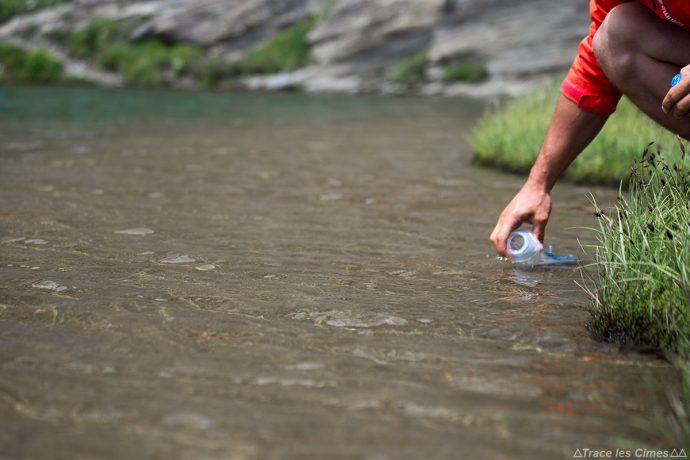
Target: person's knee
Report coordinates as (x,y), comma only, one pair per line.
(616,43)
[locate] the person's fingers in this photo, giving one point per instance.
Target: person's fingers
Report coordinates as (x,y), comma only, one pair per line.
(681,108)
(670,100)
(506,224)
(677,93)
(539,226)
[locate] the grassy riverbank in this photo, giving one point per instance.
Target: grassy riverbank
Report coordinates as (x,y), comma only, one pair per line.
(510,139)
(641,293)
(641,287)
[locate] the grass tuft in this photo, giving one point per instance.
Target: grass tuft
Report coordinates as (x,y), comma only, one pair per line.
(287,51)
(411,69)
(19,66)
(642,291)
(143,63)
(468,71)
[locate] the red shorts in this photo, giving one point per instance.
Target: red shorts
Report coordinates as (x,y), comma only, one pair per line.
(586,84)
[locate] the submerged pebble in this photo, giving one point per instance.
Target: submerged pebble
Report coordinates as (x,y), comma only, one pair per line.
(135,231)
(177,260)
(49,286)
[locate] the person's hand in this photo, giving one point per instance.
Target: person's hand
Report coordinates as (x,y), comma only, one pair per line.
(677,100)
(531,205)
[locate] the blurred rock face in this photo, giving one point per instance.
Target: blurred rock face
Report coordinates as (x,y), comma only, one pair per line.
(355,41)
(211,22)
(374,29)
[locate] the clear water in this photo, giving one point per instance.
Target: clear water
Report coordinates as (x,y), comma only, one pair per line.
(211,276)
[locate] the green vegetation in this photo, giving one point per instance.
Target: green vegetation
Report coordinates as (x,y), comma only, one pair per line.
(144,63)
(470,71)
(97,36)
(10,8)
(642,292)
(288,50)
(640,287)
(20,66)
(511,138)
(411,69)
(153,63)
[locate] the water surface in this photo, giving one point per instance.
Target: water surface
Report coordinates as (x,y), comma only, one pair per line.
(210,276)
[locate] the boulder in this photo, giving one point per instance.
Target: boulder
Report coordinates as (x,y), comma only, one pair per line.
(514,39)
(372,33)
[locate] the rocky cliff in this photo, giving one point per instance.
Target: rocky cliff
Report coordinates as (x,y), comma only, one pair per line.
(389,46)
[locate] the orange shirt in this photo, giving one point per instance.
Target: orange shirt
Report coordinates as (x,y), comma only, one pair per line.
(586,84)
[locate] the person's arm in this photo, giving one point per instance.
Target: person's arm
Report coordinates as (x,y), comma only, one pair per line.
(571,130)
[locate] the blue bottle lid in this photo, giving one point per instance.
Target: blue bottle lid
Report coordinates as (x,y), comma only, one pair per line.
(675,80)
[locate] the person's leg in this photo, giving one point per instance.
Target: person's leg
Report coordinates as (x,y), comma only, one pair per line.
(640,53)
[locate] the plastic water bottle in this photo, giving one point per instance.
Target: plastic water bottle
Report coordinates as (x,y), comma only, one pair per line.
(523,246)
(526,249)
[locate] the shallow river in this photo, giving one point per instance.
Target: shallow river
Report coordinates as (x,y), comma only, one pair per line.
(211,276)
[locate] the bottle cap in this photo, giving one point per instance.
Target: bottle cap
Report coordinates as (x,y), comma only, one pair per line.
(675,80)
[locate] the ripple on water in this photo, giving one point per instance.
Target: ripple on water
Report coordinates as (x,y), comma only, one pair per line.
(338,318)
(36,241)
(12,239)
(49,286)
(188,420)
(205,267)
(177,260)
(135,231)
